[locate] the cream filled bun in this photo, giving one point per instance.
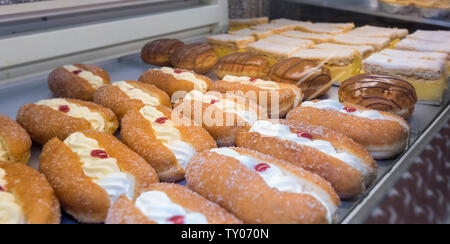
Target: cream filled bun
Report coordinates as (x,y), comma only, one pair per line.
(59,117)
(77,81)
(15,143)
(277,98)
(383,134)
(164,138)
(172,80)
(26,196)
(122,96)
(90,170)
(222,115)
(338,159)
(260,189)
(165,203)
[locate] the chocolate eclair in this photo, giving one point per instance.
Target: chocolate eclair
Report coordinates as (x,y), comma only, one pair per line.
(243,64)
(198,57)
(158,52)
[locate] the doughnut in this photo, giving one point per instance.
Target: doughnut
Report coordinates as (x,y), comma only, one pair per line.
(172,81)
(342,162)
(158,52)
(78,81)
(198,57)
(90,170)
(15,143)
(166,203)
(222,115)
(383,134)
(242,64)
(126,95)
(260,189)
(59,117)
(277,98)
(380,92)
(26,196)
(165,139)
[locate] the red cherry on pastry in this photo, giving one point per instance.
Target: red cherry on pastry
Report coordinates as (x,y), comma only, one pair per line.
(262,167)
(252,79)
(161,120)
(305,135)
(76,72)
(178,220)
(64,108)
(178,71)
(214,101)
(2,189)
(99,154)
(350,110)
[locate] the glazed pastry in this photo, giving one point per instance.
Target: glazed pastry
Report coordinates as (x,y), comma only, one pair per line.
(198,57)
(90,170)
(57,117)
(165,203)
(313,79)
(383,134)
(243,64)
(165,139)
(380,92)
(126,95)
(158,52)
(222,115)
(15,143)
(78,81)
(277,98)
(26,196)
(260,189)
(345,164)
(176,82)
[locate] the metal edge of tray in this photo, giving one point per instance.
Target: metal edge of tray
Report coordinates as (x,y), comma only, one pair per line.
(364,207)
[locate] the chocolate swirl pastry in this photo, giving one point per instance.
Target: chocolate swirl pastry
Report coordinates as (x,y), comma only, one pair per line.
(243,64)
(380,92)
(159,51)
(310,76)
(199,57)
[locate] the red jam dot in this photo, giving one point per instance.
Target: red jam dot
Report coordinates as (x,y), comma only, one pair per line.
(64,108)
(305,135)
(178,220)
(262,167)
(2,189)
(76,72)
(178,71)
(252,79)
(350,110)
(161,120)
(99,154)
(214,101)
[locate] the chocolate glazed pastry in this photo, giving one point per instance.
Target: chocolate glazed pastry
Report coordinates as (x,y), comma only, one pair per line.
(310,76)
(381,92)
(243,64)
(199,57)
(159,51)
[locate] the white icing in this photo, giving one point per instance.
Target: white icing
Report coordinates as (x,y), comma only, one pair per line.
(136,93)
(95,80)
(334,105)
(157,206)
(169,135)
(283,132)
(105,172)
(283,40)
(421,45)
(199,84)
(10,210)
(95,119)
(271,47)
(274,176)
(263,84)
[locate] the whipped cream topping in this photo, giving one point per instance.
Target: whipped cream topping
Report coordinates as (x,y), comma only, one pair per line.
(11,211)
(95,80)
(170,136)
(157,206)
(334,105)
(263,84)
(274,176)
(138,94)
(95,119)
(103,170)
(199,84)
(283,132)
(249,115)
(4,152)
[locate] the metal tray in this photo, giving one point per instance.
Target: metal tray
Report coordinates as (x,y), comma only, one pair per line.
(424,122)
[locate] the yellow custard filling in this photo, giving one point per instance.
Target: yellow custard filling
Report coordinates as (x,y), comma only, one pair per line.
(342,73)
(430,90)
(10,209)
(223,51)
